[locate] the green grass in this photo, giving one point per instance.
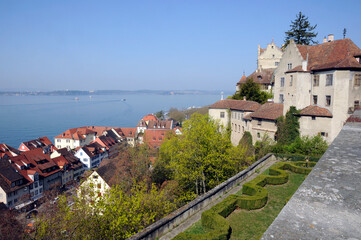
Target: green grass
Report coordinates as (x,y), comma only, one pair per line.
(252,224)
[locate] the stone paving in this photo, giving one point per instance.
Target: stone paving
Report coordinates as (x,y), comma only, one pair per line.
(328,203)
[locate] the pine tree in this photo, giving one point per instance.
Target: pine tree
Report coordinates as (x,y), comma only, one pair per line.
(301,31)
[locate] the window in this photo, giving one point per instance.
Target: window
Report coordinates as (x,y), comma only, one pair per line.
(323,134)
(281,98)
(329,79)
(239,128)
(36,192)
(357,80)
(291,81)
(313,118)
(276,63)
(242,129)
(31,186)
(232,126)
(41,183)
(15,200)
(316,80)
(68,140)
(35,185)
(239,115)
(40,190)
(58,140)
(282,81)
(356,104)
(259,122)
(314,99)
(273,56)
(222,115)
(258,135)
(289,66)
(10,203)
(328,100)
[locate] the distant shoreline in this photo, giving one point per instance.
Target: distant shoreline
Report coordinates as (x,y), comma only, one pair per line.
(109,92)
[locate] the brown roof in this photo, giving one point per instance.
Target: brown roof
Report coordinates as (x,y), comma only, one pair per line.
(126,132)
(109,170)
(315,111)
(296,69)
(155,137)
(243,79)
(8,150)
(38,143)
(248,106)
(264,76)
(98,130)
(270,111)
(339,54)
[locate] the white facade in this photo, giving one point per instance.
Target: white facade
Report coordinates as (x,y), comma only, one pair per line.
(269,57)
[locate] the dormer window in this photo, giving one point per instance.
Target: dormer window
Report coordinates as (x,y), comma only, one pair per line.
(259,78)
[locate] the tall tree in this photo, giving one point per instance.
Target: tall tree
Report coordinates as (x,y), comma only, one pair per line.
(302,32)
(288,128)
(199,158)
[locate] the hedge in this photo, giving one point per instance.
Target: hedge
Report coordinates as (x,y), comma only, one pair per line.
(254,196)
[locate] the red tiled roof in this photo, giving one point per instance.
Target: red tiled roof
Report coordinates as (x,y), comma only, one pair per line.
(248,106)
(159,124)
(154,138)
(315,111)
(38,143)
(127,132)
(150,117)
(243,79)
(7,150)
(338,54)
(269,111)
(98,130)
(76,133)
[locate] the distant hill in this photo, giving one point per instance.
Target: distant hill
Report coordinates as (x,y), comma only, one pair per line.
(109,92)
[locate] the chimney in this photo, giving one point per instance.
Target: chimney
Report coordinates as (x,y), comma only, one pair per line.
(330,37)
(324,39)
(244,98)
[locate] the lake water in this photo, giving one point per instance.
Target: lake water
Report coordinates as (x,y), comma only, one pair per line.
(24,118)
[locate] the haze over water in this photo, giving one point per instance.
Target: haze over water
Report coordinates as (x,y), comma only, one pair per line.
(28,117)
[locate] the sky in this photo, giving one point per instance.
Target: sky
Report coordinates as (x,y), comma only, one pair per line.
(157,45)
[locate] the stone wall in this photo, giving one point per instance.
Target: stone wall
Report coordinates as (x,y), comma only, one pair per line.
(327,204)
(167,223)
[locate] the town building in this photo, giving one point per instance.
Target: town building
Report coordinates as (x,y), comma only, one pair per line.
(7,151)
(75,137)
(76,166)
(268,60)
(323,81)
(42,142)
(91,155)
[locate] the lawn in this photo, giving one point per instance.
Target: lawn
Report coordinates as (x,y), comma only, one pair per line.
(252,224)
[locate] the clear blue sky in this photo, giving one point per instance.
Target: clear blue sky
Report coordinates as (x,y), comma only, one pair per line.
(130,45)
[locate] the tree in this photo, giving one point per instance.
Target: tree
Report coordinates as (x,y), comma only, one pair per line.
(160,114)
(288,128)
(301,31)
(252,92)
(176,115)
(199,159)
(114,215)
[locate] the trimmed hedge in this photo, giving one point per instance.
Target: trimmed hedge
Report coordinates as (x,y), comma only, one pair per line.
(254,196)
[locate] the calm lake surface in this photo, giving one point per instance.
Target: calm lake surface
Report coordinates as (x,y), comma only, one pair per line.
(24,118)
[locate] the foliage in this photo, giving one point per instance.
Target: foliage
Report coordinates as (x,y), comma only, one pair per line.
(288,128)
(301,31)
(261,148)
(254,196)
(10,227)
(160,115)
(200,158)
(115,215)
(176,115)
(305,146)
(252,92)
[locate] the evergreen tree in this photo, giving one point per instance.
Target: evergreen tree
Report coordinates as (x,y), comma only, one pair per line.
(301,31)
(288,128)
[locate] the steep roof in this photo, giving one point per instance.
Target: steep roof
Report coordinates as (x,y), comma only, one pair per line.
(127,132)
(160,124)
(76,133)
(338,54)
(315,111)
(248,106)
(263,76)
(38,143)
(270,111)
(150,117)
(109,171)
(8,175)
(155,137)
(8,150)
(98,130)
